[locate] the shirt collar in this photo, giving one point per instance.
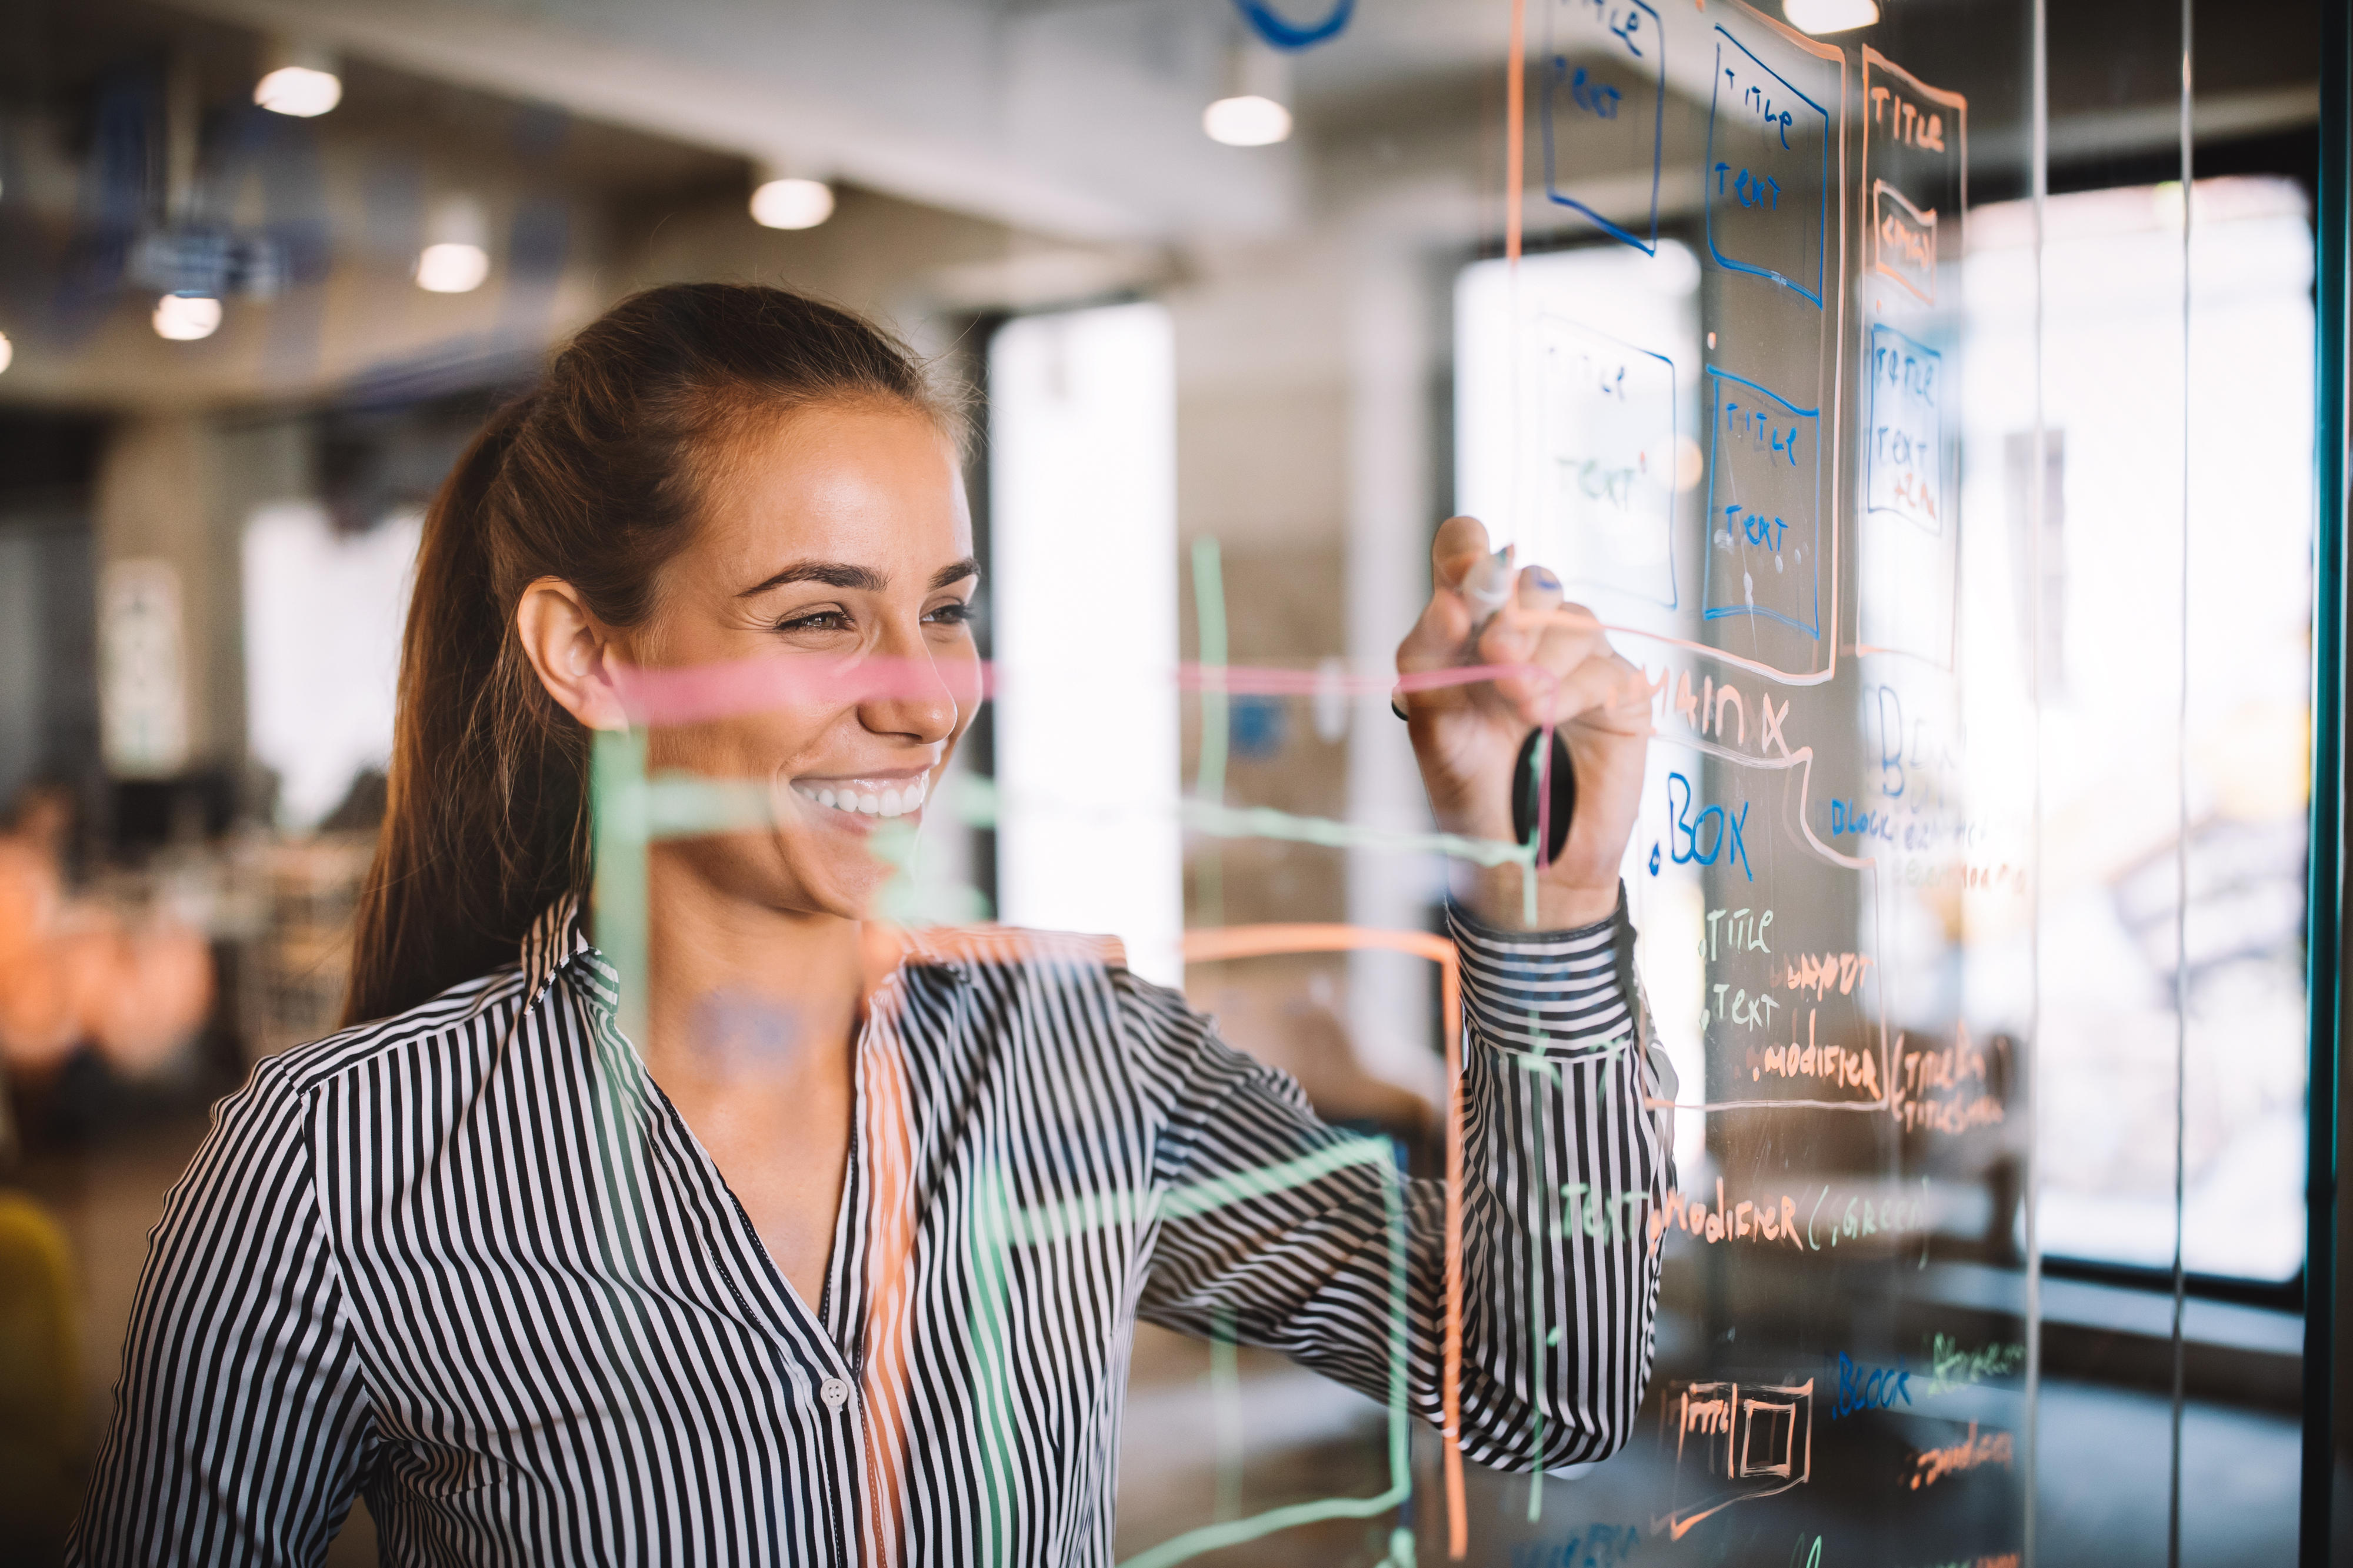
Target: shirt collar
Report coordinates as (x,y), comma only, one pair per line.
(558,940)
(555,940)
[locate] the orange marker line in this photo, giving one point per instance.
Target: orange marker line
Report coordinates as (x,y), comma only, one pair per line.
(889,1269)
(1458,1525)
(1515,152)
(1206,946)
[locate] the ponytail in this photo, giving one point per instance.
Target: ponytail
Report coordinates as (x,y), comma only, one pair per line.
(592,479)
(477,835)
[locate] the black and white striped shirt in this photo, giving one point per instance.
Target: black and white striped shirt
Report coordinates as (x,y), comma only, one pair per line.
(470,1264)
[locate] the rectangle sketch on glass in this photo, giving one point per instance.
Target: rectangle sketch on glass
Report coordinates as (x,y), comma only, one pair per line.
(1732,1446)
(1902,454)
(1903,241)
(1768,177)
(1609,412)
(1605,101)
(1907,541)
(1763,494)
(1915,165)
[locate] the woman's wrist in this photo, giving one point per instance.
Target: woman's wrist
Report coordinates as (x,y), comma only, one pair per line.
(1496,896)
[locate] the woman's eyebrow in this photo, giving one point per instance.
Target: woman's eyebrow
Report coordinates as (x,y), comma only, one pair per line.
(832,574)
(862,579)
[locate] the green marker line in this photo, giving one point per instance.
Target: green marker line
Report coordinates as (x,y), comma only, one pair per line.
(986,1237)
(1214,1537)
(683,805)
(619,804)
(1216,720)
(1201,1197)
(1226,1405)
(1536,1333)
(995,1226)
(1049,1223)
(1263,822)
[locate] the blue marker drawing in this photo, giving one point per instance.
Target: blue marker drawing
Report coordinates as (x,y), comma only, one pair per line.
(1903,461)
(1617,103)
(1280,33)
(1609,437)
(1907,558)
(1764,506)
(1729,841)
(1763,170)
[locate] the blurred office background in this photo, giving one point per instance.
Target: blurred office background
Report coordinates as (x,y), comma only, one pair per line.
(265,263)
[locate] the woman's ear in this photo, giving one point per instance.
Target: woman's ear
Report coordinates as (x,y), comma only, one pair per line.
(571,652)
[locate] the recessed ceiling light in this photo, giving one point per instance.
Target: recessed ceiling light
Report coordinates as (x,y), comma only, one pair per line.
(301,92)
(452,267)
(792,203)
(185,318)
(1830,16)
(1248,121)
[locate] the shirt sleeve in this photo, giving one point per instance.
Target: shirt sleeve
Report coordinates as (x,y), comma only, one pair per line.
(1285,1233)
(239,1419)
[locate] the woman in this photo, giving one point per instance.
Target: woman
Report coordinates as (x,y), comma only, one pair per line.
(840,1262)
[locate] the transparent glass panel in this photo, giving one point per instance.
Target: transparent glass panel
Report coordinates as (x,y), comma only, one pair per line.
(1915,392)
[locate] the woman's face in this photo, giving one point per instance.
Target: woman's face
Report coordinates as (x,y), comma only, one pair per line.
(837,543)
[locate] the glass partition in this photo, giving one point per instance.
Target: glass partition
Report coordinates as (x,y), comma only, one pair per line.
(1918,393)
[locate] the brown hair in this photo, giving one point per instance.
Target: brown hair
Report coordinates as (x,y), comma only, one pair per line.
(595,477)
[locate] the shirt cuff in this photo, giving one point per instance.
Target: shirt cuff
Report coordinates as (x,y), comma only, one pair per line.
(1569,995)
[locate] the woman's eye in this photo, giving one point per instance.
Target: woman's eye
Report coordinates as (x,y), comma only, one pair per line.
(816,621)
(951,615)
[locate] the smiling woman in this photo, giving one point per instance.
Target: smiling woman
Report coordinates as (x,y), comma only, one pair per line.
(838,1257)
(568,537)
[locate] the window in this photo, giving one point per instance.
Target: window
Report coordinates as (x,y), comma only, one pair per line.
(1083,439)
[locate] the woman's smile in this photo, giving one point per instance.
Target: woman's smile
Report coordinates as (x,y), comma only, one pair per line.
(892,792)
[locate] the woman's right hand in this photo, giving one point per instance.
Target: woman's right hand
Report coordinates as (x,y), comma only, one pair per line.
(1467,737)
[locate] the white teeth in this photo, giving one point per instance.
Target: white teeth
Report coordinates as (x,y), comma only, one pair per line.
(891,801)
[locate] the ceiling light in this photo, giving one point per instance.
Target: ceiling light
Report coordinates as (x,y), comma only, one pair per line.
(1252,106)
(1830,16)
(452,267)
(7,352)
(792,203)
(185,318)
(457,254)
(298,77)
(301,92)
(1249,121)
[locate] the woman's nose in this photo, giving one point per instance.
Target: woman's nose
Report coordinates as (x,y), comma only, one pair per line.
(916,695)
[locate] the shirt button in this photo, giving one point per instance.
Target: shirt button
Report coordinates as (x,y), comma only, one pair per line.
(835,1392)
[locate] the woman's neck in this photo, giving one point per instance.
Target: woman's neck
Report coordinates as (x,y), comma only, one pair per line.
(750,1014)
(743,999)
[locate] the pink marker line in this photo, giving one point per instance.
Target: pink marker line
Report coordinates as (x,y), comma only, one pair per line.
(697,694)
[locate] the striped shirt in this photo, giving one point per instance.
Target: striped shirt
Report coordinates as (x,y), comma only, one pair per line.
(470,1264)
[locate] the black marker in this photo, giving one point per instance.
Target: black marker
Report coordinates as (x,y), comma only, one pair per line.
(1549,801)
(1529,805)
